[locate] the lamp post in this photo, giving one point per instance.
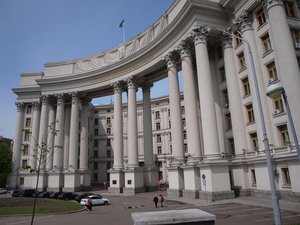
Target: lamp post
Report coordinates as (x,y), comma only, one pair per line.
(273,91)
(275,204)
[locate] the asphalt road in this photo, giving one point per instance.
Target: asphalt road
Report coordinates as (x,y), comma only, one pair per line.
(121,207)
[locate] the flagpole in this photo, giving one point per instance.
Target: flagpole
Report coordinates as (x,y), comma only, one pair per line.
(123,34)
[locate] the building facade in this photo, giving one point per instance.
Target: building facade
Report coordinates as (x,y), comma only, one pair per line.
(203,142)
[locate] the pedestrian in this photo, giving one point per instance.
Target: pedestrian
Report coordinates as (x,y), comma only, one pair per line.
(161,199)
(155,199)
(89,204)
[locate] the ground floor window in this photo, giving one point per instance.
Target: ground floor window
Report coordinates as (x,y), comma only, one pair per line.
(286,180)
(253,177)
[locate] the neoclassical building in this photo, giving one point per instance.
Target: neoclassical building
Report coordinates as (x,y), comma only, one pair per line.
(204,141)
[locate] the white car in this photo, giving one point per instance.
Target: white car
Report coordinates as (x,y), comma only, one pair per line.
(95,199)
(3,191)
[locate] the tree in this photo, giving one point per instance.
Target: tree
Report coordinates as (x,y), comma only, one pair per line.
(43,153)
(5,163)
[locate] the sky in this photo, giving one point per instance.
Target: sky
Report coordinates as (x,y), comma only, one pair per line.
(35,32)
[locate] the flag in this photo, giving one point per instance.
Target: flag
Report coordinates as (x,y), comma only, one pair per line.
(121,24)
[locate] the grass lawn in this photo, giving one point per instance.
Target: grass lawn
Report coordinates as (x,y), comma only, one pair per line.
(20,205)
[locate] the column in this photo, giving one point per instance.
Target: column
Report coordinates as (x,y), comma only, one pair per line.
(175,109)
(56,176)
(236,111)
(147,124)
(286,61)
(85,180)
(247,32)
(59,138)
(134,181)
(190,104)
(66,144)
(117,174)
(132,125)
(42,152)
(35,134)
(50,138)
(150,172)
(12,180)
(72,176)
(216,175)
(175,172)
(206,96)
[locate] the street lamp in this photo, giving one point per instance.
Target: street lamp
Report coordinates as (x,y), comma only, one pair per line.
(274,91)
(275,204)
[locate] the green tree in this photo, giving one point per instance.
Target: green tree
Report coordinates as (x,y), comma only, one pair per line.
(5,163)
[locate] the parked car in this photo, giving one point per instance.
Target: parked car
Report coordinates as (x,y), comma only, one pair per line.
(45,194)
(67,195)
(55,194)
(96,200)
(17,193)
(79,197)
(3,191)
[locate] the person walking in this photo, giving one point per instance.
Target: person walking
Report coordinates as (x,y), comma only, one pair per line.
(89,204)
(161,199)
(155,199)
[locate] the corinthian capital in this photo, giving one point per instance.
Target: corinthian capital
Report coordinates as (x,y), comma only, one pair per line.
(60,99)
(185,49)
(171,58)
(36,106)
(117,86)
(20,106)
(131,83)
(227,38)
(200,34)
(75,97)
(45,99)
(244,20)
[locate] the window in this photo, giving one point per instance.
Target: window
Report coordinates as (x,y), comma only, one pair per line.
(108,120)
(246,86)
(95,154)
(266,43)
(158,138)
(231,145)
(296,37)
(183,122)
(225,97)
(96,121)
(278,104)
(283,135)
(222,74)
(108,131)
(95,177)
(29,109)
(254,141)
(28,122)
(184,135)
(96,133)
(289,8)
(242,63)
(185,148)
(272,73)
(237,38)
(169,113)
(108,153)
(250,113)
(157,126)
(108,165)
(253,177)
(25,149)
(24,164)
(260,17)
(182,110)
(26,135)
(95,143)
(286,180)
(170,124)
(108,142)
(95,165)
(21,180)
(157,115)
(228,121)
(159,150)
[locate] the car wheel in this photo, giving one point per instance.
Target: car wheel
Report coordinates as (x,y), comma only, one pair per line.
(105,203)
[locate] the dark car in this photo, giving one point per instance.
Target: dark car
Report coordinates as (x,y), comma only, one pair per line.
(79,197)
(45,194)
(67,196)
(55,194)
(17,193)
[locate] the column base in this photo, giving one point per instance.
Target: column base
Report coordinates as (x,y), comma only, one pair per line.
(55,181)
(176,181)
(192,181)
(117,180)
(151,178)
(43,180)
(72,181)
(85,180)
(134,180)
(174,192)
(214,196)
